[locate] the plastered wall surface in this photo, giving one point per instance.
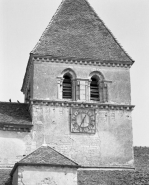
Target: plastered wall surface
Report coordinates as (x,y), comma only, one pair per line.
(45,80)
(47,176)
(111,145)
(14,145)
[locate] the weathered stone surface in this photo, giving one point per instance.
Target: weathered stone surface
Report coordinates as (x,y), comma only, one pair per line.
(46,87)
(13,146)
(30,175)
(111,145)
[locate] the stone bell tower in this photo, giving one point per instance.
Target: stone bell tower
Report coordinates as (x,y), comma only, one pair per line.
(78,85)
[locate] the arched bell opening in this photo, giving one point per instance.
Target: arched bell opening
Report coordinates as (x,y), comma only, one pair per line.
(67,86)
(94,89)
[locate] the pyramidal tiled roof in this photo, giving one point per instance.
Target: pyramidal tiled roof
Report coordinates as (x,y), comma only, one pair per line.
(48,156)
(76,31)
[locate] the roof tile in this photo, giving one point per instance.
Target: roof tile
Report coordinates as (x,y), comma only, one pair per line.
(77,31)
(49,156)
(14,113)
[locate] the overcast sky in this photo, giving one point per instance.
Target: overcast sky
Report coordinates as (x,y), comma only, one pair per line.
(23,21)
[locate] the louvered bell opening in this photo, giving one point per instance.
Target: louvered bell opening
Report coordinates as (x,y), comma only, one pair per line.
(67,87)
(94,90)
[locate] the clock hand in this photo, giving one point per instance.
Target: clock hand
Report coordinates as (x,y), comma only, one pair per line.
(83,120)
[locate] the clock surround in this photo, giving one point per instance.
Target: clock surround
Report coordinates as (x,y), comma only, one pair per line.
(83,120)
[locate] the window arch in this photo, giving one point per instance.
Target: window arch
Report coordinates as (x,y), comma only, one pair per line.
(67,86)
(94,89)
(98,87)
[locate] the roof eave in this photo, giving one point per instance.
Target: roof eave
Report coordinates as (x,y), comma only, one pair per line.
(14,124)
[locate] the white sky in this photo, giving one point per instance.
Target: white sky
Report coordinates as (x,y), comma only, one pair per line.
(23,21)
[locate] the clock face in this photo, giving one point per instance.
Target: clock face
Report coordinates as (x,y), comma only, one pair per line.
(83,121)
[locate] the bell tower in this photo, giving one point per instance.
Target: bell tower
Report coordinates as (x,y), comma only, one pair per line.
(77,83)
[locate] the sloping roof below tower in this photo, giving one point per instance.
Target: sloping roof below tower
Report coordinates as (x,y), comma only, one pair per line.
(77,32)
(49,156)
(45,156)
(14,114)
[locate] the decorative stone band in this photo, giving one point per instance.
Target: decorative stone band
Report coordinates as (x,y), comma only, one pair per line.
(15,127)
(90,62)
(63,103)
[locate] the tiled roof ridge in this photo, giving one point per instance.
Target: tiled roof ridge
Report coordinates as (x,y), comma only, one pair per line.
(108,30)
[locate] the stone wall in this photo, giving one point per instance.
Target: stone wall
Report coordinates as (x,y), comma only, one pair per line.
(45,86)
(106,177)
(141,155)
(111,145)
(39,175)
(14,145)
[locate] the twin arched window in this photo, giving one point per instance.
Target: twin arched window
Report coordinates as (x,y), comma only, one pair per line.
(93,89)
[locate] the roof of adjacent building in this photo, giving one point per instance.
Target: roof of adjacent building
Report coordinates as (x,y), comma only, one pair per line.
(76,31)
(14,113)
(49,156)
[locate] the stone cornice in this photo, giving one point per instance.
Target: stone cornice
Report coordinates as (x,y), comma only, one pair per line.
(85,62)
(102,106)
(15,127)
(90,62)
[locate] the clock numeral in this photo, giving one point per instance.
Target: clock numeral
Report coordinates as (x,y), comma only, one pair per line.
(76,113)
(73,117)
(92,118)
(89,113)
